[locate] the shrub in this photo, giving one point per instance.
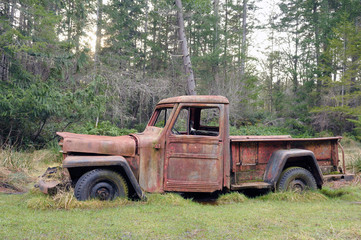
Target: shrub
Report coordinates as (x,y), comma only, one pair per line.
(104,128)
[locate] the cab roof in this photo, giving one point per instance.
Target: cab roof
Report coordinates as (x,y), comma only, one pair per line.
(196,99)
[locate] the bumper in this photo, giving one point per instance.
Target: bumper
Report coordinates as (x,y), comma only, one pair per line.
(50,187)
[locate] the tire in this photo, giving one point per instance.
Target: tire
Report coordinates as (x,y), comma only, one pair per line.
(101,184)
(296,179)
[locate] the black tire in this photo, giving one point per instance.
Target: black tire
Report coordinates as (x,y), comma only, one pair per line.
(101,184)
(296,179)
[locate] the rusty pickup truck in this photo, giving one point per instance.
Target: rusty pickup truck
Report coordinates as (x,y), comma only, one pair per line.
(186,147)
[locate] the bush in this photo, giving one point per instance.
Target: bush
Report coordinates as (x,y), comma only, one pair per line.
(258,130)
(104,128)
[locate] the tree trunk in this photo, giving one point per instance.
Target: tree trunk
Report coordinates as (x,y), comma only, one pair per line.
(317,48)
(98,34)
(145,38)
(215,67)
(225,42)
(244,44)
(186,58)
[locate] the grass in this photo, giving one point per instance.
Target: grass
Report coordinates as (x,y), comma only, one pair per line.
(170,216)
(331,213)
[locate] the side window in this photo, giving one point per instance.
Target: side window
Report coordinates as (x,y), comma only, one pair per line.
(181,124)
(163,115)
(208,122)
(209,117)
(197,121)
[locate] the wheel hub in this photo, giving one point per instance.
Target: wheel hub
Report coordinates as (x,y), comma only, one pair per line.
(297,186)
(102,191)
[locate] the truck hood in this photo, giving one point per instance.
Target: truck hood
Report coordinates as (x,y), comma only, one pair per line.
(82,143)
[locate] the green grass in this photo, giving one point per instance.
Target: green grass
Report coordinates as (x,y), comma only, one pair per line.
(312,216)
(326,214)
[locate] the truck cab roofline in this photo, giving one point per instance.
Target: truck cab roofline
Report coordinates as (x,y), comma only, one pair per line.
(196,99)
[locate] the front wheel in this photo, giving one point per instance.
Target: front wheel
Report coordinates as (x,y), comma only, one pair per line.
(100,184)
(296,179)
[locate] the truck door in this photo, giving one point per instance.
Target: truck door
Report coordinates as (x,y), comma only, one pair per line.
(194,149)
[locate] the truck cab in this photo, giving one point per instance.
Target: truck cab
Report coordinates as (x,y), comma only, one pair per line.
(191,141)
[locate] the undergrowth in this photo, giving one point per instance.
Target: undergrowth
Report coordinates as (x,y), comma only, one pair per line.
(230,198)
(351,193)
(355,164)
(26,160)
(168,199)
(67,200)
(308,196)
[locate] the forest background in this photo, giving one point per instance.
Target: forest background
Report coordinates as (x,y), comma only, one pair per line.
(306,82)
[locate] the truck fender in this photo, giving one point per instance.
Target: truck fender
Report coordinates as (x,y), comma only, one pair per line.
(103,161)
(291,157)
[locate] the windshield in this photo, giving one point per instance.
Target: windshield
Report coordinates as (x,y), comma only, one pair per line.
(162,116)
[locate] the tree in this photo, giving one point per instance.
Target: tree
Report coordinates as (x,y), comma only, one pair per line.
(186,57)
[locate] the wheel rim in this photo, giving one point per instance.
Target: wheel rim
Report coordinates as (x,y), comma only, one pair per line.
(103,191)
(297,185)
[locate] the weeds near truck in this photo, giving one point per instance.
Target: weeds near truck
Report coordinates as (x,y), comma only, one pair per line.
(308,196)
(355,164)
(230,198)
(26,161)
(10,158)
(67,201)
(171,199)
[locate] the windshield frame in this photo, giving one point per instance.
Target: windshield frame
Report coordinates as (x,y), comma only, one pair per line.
(156,113)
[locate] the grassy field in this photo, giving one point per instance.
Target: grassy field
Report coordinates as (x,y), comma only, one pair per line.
(274,216)
(332,213)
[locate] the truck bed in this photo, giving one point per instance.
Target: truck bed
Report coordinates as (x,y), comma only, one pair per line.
(250,154)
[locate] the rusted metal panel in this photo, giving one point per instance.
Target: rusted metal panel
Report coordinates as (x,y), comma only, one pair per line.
(243,151)
(249,153)
(321,149)
(151,147)
(193,160)
(81,143)
(258,138)
(250,173)
(267,148)
(194,163)
(277,138)
(49,187)
(196,99)
(224,121)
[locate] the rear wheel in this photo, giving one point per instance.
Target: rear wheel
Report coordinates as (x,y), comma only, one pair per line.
(296,179)
(101,184)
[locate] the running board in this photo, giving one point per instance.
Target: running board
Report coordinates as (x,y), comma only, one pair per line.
(338,177)
(251,185)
